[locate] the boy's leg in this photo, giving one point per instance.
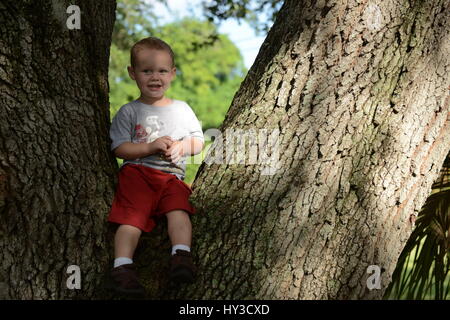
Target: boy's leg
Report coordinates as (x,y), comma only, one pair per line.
(125,241)
(179,228)
(182,268)
(124,272)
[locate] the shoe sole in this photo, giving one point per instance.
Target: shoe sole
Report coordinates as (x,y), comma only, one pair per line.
(110,285)
(182,275)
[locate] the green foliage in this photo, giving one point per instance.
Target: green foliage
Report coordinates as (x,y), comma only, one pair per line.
(208,72)
(259,14)
(208,75)
(423,269)
(122,88)
(133,19)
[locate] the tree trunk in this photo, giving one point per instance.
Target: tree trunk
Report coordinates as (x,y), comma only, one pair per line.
(56,172)
(358,91)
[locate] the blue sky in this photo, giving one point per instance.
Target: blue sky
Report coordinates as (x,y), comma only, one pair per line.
(242,35)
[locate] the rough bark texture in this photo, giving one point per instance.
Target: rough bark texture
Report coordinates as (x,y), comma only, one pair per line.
(56,171)
(359,93)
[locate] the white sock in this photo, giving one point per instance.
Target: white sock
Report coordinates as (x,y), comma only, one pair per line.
(121,260)
(181,247)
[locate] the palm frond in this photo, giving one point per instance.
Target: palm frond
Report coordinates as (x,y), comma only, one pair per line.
(423,268)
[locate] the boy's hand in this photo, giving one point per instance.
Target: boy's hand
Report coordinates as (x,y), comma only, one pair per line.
(162,144)
(175,152)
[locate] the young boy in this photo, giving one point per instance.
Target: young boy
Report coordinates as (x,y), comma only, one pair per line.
(154,135)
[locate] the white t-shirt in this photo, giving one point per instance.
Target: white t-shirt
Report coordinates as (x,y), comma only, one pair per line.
(137,122)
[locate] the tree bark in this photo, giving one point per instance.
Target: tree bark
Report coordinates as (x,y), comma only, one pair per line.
(359,92)
(56,171)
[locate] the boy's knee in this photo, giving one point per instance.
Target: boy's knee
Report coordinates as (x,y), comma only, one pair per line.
(177,214)
(129,229)
(178,218)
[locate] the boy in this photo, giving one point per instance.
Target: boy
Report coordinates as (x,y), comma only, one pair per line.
(153,135)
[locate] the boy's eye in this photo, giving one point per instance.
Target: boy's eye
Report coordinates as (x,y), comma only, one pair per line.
(162,71)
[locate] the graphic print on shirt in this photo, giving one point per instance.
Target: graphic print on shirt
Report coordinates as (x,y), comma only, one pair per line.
(154,126)
(149,131)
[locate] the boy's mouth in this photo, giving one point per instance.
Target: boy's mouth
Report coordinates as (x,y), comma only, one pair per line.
(154,86)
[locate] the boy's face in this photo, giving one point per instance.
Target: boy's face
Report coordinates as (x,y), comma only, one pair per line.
(153,72)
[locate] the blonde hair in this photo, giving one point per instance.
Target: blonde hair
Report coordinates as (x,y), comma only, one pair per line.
(150,43)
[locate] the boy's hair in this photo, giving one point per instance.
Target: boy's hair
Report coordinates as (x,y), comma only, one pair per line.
(150,43)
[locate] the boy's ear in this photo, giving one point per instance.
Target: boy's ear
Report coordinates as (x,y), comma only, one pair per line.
(131,72)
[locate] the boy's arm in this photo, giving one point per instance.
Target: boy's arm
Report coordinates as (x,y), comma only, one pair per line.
(192,146)
(131,151)
(194,142)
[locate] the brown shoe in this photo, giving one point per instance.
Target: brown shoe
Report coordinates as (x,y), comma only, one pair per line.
(126,280)
(182,269)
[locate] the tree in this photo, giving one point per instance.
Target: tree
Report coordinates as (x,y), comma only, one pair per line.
(360,103)
(359,94)
(56,171)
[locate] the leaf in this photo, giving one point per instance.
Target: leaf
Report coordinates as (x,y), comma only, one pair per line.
(422,270)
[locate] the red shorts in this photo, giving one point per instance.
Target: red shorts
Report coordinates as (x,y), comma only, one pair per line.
(144,194)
